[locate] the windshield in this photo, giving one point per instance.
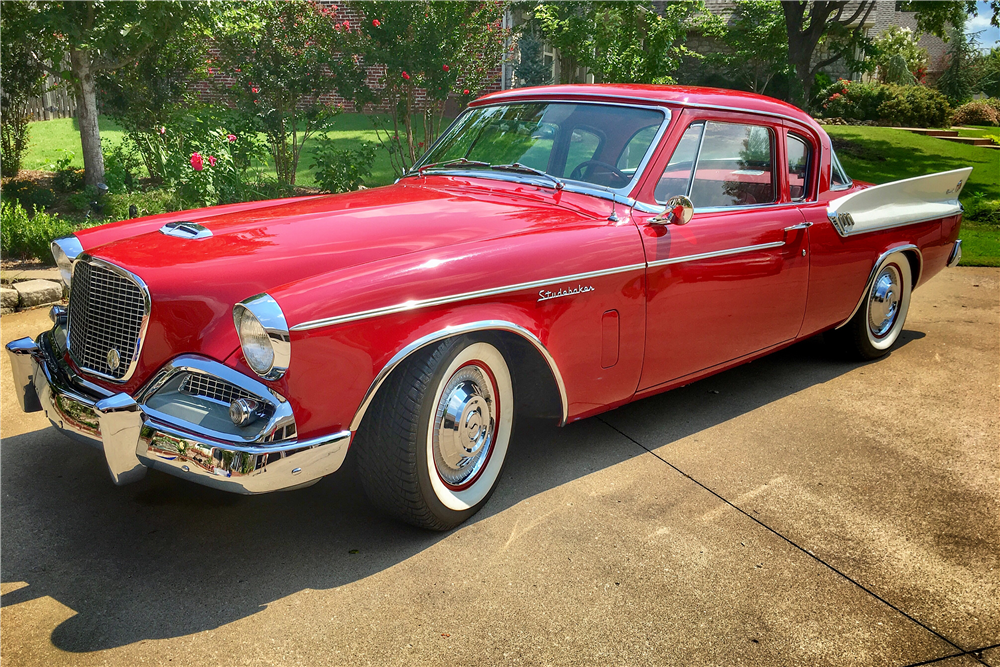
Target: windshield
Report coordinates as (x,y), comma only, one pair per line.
(600,144)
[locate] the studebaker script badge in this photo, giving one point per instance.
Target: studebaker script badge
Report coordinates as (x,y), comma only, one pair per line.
(113,359)
(545,295)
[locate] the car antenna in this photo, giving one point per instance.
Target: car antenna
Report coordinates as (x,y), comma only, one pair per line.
(614,215)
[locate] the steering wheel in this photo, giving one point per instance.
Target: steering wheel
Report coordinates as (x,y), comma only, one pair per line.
(612,169)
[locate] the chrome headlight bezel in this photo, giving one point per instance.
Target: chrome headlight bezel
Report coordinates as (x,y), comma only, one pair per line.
(64,251)
(266,311)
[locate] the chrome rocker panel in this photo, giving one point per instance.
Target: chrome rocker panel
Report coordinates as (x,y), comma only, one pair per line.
(133,441)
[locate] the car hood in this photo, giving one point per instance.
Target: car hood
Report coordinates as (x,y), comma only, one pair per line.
(257,247)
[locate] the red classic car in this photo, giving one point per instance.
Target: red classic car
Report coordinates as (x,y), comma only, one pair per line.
(559,251)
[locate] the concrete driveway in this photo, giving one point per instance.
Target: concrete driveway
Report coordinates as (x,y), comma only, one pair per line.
(798,510)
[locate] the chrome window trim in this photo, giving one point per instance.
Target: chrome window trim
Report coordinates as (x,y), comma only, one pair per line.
(639,98)
(465,296)
(581,186)
(717,253)
(447,332)
(878,263)
(809,171)
(281,417)
(834,160)
(141,336)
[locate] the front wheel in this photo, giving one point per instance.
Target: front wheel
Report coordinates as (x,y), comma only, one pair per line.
(876,326)
(433,443)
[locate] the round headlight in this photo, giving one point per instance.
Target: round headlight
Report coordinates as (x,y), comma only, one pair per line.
(263,335)
(256,344)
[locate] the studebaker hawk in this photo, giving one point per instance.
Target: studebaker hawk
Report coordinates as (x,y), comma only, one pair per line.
(559,251)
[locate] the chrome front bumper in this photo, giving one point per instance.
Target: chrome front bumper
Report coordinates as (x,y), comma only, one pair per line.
(133,441)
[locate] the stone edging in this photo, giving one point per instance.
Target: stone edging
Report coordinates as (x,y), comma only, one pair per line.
(32,293)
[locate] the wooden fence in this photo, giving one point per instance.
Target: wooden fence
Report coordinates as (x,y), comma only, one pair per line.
(58,102)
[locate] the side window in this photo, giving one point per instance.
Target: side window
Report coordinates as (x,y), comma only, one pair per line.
(798,167)
(636,149)
(735,166)
(583,145)
(676,178)
(838,179)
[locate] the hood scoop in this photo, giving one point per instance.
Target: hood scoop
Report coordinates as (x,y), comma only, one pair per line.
(186,230)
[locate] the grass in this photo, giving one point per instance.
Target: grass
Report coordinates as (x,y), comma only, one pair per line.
(51,139)
(883,154)
(981,131)
(874,154)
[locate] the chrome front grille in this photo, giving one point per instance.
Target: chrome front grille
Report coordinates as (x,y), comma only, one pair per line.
(214,389)
(107,311)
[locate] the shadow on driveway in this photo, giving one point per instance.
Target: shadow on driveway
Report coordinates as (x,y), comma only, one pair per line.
(165,558)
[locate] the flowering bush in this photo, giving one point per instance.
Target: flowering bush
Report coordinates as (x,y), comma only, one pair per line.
(285,59)
(977,112)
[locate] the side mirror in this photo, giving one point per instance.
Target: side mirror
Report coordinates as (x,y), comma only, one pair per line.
(678,212)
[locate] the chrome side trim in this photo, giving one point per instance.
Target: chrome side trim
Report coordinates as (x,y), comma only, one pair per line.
(956,255)
(140,337)
(447,332)
(452,298)
(717,253)
(878,263)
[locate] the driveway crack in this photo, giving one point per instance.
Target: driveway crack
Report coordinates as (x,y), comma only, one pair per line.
(974,653)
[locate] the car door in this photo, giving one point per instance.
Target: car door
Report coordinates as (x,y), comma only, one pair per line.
(733,281)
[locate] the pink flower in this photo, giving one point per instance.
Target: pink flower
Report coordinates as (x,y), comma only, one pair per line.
(465,92)
(255,90)
(445,68)
(196,162)
(211,160)
(376,23)
(835,96)
(405,76)
(163,130)
(347,25)
(231,137)
(844,91)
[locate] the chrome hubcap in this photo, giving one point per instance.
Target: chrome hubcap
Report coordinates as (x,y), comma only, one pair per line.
(883,303)
(465,425)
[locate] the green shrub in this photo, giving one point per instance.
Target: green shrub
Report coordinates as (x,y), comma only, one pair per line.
(116,207)
(885,103)
(982,211)
(342,169)
(914,106)
(121,167)
(977,112)
(27,194)
(25,236)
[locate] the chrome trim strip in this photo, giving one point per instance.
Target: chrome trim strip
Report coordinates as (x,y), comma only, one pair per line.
(140,337)
(442,300)
(583,185)
(717,253)
(447,332)
(956,254)
(878,263)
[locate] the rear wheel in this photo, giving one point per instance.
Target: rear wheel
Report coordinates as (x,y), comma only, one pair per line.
(876,326)
(433,442)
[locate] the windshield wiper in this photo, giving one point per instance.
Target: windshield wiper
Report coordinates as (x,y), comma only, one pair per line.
(525,169)
(447,163)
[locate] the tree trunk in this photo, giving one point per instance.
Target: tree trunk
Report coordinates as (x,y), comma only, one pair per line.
(86,104)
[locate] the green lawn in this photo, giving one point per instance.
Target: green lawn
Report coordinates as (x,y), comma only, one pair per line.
(874,154)
(51,139)
(883,154)
(981,131)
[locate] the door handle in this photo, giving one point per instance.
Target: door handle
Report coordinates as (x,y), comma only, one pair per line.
(801,225)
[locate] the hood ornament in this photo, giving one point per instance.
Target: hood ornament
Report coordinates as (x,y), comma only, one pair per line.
(186,230)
